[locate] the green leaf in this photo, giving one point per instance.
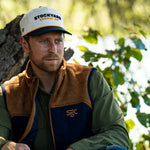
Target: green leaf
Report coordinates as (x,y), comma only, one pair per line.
(108,75)
(82,48)
(91,39)
(117,96)
(128,29)
(91,36)
(140,146)
(137,25)
(118,77)
(126,63)
(99,55)
(146,137)
(98,68)
(122,93)
(136,53)
(139,44)
(135,100)
(107,71)
(76,61)
(121,42)
(129,124)
(90,64)
(124,109)
(88,55)
(95,58)
(109,54)
(144,119)
(143,33)
(131,145)
(146,100)
(148,90)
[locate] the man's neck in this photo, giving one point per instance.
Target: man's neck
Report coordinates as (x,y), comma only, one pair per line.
(47,82)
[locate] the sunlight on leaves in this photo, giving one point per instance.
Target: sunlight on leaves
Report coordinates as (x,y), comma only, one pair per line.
(129,124)
(82,48)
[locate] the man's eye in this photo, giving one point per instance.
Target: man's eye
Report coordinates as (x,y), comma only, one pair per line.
(58,40)
(44,41)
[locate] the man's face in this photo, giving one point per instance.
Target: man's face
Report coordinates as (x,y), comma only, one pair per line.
(46,51)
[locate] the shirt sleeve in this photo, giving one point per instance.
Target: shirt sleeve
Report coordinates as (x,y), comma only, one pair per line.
(5,122)
(108,125)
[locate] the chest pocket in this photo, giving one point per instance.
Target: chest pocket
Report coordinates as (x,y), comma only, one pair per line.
(70,124)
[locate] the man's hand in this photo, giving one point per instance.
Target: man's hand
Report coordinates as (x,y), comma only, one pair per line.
(15,146)
(69,148)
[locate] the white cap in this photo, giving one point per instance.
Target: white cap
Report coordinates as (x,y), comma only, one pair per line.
(41,20)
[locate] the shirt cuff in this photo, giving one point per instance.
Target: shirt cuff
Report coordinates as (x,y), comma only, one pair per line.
(3,141)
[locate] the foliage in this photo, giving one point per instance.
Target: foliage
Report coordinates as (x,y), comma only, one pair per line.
(106,16)
(118,74)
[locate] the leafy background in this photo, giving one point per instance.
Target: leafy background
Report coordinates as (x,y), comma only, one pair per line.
(119,75)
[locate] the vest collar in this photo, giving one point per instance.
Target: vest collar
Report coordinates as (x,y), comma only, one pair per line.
(30,75)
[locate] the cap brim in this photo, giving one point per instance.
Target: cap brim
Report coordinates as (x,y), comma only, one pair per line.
(46,30)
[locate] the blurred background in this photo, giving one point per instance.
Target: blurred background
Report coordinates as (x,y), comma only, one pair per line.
(113,36)
(106,16)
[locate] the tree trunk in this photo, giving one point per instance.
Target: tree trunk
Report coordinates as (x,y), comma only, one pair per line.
(12,58)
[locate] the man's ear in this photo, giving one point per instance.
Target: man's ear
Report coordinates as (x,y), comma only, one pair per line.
(24,44)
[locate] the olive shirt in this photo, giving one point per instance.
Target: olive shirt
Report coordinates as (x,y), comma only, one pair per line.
(108,126)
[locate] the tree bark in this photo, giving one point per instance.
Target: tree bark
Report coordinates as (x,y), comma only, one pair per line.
(12,58)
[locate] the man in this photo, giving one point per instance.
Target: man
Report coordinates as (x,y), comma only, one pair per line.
(54,105)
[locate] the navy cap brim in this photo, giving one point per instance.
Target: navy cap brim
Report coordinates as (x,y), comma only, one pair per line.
(46,30)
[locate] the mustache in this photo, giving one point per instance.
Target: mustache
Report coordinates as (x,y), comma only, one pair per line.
(53,56)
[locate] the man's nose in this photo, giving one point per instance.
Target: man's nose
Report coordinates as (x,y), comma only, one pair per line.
(52,47)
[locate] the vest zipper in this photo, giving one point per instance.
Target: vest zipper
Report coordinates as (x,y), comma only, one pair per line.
(52,131)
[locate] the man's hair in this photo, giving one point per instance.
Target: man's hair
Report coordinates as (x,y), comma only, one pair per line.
(26,37)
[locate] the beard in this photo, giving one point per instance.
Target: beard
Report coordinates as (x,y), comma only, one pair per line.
(48,63)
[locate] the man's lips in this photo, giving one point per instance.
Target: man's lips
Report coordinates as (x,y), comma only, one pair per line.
(51,59)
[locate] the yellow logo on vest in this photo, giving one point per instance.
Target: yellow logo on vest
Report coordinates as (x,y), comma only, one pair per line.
(71,112)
